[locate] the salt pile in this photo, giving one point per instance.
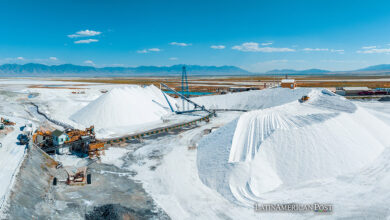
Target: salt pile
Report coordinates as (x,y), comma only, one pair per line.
(127,106)
(257,99)
(290,144)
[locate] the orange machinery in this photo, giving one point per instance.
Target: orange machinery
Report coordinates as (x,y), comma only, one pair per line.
(76,177)
(40,135)
(75,134)
(304,98)
(93,148)
(7,121)
(96,149)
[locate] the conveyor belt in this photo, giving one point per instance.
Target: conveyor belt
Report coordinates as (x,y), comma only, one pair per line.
(155,131)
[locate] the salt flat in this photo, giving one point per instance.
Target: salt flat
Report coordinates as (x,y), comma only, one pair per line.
(327,150)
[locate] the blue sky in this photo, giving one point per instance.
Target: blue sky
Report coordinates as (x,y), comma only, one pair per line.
(255,35)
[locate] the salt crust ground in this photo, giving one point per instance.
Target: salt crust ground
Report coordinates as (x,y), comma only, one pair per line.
(197,188)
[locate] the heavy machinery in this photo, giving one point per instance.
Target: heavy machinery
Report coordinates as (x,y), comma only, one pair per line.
(82,142)
(196,106)
(23,139)
(304,98)
(96,149)
(85,142)
(75,134)
(6,121)
(41,137)
(75,177)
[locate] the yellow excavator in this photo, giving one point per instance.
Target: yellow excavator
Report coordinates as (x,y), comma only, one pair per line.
(304,99)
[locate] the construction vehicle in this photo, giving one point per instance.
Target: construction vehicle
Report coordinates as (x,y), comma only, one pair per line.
(78,177)
(6,121)
(304,98)
(23,139)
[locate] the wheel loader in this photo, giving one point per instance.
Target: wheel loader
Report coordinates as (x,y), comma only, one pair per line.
(75,177)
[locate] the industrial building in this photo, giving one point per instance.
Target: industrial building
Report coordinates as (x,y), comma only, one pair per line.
(350,91)
(288,83)
(59,137)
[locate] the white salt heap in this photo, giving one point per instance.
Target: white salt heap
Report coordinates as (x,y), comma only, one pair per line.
(290,144)
(127,106)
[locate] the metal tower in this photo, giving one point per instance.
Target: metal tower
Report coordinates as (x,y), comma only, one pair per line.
(184,85)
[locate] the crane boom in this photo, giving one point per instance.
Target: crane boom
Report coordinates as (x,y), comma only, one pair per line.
(185,98)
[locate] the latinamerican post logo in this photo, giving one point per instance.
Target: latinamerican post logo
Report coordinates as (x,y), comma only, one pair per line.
(294,207)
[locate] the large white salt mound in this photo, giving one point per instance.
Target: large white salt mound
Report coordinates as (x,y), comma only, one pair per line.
(256,99)
(290,144)
(127,106)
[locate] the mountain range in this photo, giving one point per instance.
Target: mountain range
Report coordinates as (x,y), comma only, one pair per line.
(35,69)
(298,72)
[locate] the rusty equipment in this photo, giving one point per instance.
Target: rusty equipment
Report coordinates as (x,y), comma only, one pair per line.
(78,177)
(40,135)
(81,141)
(96,149)
(75,134)
(6,121)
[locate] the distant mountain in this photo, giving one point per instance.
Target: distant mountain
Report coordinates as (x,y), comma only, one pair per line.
(35,69)
(381,67)
(298,72)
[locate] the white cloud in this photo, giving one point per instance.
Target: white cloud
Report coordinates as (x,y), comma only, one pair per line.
(173,58)
(20,58)
(85,33)
(142,51)
(154,49)
(368,47)
(53,58)
(254,47)
(342,61)
(149,50)
(217,47)
(323,49)
(375,50)
(315,49)
(266,44)
(89,62)
(87,41)
(337,51)
(180,44)
(274,61)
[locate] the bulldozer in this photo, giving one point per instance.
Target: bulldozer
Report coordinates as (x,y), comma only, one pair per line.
(6,121)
